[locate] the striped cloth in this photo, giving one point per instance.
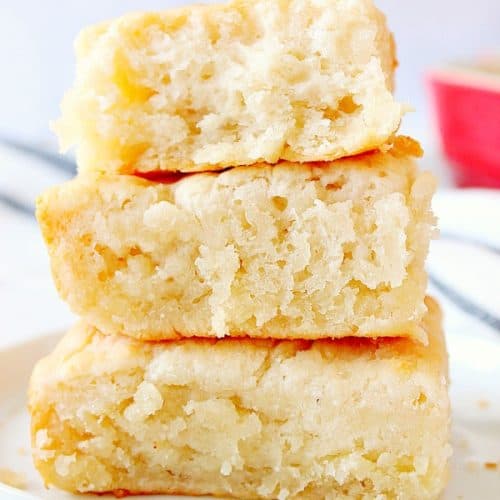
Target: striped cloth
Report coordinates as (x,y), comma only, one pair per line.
(29,303)
(464,264)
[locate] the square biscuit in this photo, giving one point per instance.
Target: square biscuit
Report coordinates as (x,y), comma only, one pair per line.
(292,250)
(332,419)
(206,87)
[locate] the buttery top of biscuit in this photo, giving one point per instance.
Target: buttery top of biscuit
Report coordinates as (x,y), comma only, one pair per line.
(207,87)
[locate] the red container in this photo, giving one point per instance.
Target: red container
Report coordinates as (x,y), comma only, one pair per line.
(467,104)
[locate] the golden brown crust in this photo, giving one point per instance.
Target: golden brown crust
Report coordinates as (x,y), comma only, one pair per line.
(406,146)
(350,347)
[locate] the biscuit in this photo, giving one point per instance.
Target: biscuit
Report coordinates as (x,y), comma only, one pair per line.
(343,419)
(291,250)
(205,87)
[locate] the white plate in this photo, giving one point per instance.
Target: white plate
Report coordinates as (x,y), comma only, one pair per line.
(465,262)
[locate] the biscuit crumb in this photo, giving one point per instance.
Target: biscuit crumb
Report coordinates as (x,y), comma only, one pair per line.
(483,404)
(12,478)
(22,451)
(491,465)
(472,465)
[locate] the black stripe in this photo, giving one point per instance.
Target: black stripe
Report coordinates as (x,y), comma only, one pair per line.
(53,159)
(16,205)
(465,304)
(470,241)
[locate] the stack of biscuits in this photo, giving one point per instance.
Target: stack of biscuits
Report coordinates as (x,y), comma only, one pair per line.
(245,244)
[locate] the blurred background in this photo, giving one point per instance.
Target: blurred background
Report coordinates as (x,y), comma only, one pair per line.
(36,45)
